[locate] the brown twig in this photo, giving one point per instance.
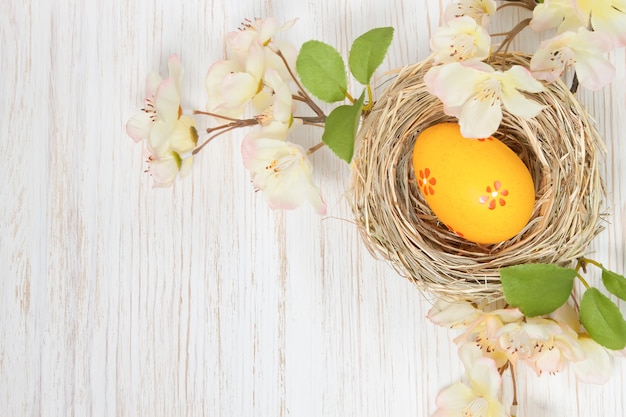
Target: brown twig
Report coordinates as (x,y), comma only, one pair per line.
(302,92)
(514,403)
(525,4)
(315,148)
(511,35)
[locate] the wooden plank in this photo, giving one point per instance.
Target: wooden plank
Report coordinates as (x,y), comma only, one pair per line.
(121,300)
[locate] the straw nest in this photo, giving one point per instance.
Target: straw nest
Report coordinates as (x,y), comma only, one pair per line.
(561,148)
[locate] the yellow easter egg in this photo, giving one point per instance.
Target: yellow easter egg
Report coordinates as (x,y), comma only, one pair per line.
(479,188)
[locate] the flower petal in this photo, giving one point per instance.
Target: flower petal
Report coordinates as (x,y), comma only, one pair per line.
(480,10)
(549,60)
(596,367)
(164,169)
(445,313)
(608,17)
(184,137)
(461,40)
(267,28)
(521,78)
(185,166)
(138,127)
(567,315)
(152,83)
(594,72)
(255,63)
(480,118)
(167,100)
(214,79)
(469,353)
(282,171)
(238,89)
(159,139)
(453,83)
(554,14)
(484,378)
(175,70)
(454,398)
(593,69)
(519,105)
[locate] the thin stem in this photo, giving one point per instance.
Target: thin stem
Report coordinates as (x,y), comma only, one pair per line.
(514,403)
(199,148)
(302,92)
(314,124)
(499,34)
(218,116)
(315,148)
(512,34)
(582,262)
(370,100)
(583,280)
(349,97)
(522,4)
(311,120)
(236,124)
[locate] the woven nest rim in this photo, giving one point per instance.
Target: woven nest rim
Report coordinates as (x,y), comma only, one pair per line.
(561,147)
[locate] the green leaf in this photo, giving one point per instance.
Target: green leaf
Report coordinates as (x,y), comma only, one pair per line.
(341,128)
(322,71)
(367,53)
(615,283)
(603,320)
(537,289)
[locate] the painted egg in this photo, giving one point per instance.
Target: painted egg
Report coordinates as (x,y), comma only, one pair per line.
(479,188)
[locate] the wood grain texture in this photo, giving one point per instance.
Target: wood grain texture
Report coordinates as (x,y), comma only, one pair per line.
(117,299)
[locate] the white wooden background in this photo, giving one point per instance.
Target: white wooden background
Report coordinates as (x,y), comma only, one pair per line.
(117,299)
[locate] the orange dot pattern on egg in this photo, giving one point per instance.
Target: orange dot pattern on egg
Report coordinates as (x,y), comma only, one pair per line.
(496,195)
(427,182)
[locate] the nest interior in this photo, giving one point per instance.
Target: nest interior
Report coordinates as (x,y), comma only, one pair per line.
(561,147)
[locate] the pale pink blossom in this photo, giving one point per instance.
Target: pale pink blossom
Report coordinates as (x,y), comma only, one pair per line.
(479,10)
(477,397)
(584,50)
(606,16)
(282,171)
(462,39)
(597,364)
(161,101)
(277,120)
(165,167)
(559,14)
(233,83)
(261,32)
(547,346)
(453,314)
(474,92)
(484,331)
(477,326)
(169,136)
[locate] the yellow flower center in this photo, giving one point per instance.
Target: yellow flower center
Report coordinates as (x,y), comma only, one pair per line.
(488,89)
